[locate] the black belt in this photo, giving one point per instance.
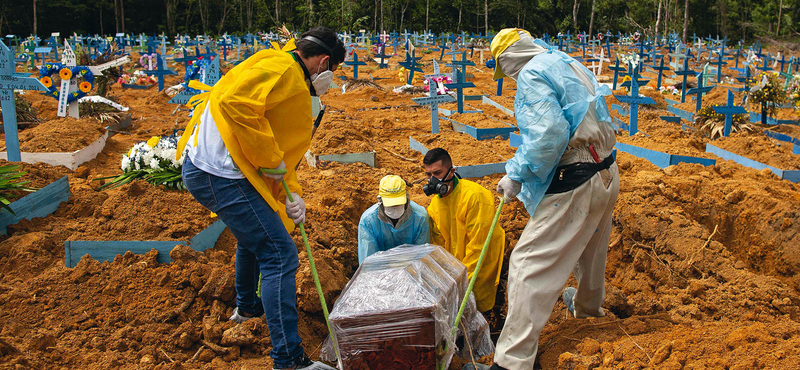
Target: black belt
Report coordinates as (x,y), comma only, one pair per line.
(569,177)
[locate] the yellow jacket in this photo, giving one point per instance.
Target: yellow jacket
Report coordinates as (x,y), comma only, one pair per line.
(262,108)
(460,223)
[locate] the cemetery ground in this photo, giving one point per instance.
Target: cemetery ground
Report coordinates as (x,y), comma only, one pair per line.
(703,266)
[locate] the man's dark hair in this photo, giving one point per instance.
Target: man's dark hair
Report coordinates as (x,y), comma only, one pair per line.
(437,154)
(333,46)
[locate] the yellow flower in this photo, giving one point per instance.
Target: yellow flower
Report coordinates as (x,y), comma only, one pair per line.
(85,86)
(47,81)
(65,73)
(153,141)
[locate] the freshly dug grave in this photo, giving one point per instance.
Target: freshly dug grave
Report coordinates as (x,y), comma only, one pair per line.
(49,137)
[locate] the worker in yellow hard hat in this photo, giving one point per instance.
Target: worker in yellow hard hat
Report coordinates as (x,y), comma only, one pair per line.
(461,214)
(258,116)
(393,221)
(565,175)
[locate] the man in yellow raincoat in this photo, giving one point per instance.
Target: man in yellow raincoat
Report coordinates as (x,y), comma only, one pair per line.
(461,214)
(258,116)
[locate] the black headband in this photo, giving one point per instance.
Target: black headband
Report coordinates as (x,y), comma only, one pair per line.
(320,43)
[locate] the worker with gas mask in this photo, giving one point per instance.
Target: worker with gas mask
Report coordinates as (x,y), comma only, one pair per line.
(257,117)
(393,221)
(461,213)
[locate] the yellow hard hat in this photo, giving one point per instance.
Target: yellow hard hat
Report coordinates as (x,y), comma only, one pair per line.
(392,191)
(501,42)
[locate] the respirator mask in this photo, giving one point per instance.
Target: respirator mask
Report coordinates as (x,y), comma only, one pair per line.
(436,186)
(395,212)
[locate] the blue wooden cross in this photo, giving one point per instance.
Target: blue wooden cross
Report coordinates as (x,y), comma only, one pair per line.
(463,63)
(719,63)
(433,100)
(411,65)
(634,74)
(699,91)
(444,47)
(746,81)
(382,56)
(764,67)
(617,69)
(226,45)
(459,85)
(783,61)
(151,45)
(729,110)
(10,81)
(41,53)
(185,59)
(355,64)
(634,100)
(660,70)
(160,72)
(685,72)
(53,43)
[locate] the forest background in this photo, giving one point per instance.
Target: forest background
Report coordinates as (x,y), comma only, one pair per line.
(737,19)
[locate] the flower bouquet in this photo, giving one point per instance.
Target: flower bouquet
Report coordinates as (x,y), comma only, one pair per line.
(153,161)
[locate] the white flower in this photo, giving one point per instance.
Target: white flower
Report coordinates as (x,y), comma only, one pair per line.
(154,164)
(126,163)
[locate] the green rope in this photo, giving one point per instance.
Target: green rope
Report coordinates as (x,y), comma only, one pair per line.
(310,261)
(475,273)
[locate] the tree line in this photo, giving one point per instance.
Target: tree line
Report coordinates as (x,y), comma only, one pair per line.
(737,19)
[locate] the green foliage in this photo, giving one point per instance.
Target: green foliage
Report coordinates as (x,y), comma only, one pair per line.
(10,184)
(738,19)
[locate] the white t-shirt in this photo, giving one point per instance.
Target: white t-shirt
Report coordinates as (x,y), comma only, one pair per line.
(210,153)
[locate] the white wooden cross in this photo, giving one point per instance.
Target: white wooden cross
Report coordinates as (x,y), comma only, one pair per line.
(597,66)
(68,59)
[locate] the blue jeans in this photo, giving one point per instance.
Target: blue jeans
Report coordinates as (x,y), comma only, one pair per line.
(263,246)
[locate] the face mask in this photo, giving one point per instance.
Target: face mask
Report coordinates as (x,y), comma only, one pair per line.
(436,186)
(322,81)
(395,212)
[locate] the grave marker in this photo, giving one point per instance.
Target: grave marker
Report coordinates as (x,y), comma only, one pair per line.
(355,64)
(729,110)
(459,85)
(433,100)
(162,71)
(699,91)
(685,72)
(10,81)
(634,100)
(68,86)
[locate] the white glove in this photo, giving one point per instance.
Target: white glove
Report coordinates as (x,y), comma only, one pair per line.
(322,82)
(276,177)
(508,188)
(296,210)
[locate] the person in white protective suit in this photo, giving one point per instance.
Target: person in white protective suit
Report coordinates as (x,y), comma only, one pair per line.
(566,176)
(393,221)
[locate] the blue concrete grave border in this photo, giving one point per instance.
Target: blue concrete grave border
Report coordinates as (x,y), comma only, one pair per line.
(681,113)
(37,204)
(482,133)
(791,175)
(786,138)
(108,250)
(755,117)
(662,159)
(472,171)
